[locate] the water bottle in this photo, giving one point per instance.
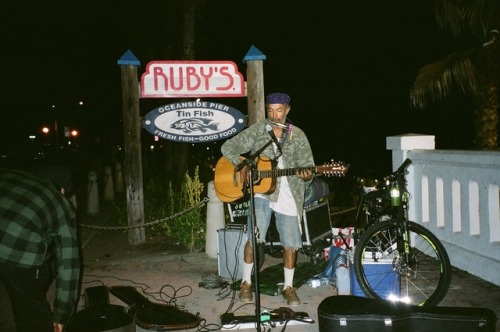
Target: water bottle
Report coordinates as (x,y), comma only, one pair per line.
(343,280)
(341,259)
(395,194)
(278,289)
(318,281)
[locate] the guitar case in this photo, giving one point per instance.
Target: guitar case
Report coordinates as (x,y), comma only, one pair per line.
(154,316)
(352,313)
(99,315)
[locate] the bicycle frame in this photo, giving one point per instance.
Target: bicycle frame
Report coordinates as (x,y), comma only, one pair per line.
(372,206)
(419,268)
(404,240)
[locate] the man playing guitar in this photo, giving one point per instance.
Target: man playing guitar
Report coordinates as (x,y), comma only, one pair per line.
(290,149)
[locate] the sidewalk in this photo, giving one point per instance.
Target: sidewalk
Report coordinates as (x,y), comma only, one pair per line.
(167,275)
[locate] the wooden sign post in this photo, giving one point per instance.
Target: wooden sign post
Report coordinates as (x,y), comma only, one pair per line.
(255,85)
(132,165)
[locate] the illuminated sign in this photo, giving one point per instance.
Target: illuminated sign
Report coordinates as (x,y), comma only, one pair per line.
(194,121)
(175,79)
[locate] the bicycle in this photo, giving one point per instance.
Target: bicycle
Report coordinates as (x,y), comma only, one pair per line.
(373,205)
(417,267)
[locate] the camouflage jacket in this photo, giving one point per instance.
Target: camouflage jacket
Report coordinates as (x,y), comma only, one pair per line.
(296,153)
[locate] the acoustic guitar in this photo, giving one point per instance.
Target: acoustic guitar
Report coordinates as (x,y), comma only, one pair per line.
(229,186)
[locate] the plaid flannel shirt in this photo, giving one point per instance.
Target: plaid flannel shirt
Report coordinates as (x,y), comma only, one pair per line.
(35,217)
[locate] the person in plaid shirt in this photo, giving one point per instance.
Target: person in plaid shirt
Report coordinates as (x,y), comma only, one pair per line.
(38,238)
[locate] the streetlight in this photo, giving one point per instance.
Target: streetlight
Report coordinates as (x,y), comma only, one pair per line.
(55,126)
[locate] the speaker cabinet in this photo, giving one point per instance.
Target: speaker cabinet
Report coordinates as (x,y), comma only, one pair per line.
(317,223)
(230,245)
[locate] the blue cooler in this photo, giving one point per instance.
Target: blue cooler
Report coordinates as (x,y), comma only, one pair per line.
(382,277)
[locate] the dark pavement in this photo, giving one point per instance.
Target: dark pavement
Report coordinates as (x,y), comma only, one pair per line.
(166,275)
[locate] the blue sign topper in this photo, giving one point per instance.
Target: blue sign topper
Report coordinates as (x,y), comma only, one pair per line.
(194,121)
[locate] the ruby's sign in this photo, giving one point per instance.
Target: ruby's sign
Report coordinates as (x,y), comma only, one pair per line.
(179,79)
(194,121)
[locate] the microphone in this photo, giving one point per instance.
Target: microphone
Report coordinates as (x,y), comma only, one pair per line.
(273,137)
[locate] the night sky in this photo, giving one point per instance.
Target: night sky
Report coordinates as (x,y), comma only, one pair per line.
(347,66)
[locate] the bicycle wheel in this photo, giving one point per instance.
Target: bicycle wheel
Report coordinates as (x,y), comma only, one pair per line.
(382,271)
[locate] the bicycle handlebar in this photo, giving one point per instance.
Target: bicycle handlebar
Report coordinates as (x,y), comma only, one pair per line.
(402,168)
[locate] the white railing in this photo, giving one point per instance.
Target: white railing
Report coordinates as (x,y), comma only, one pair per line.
(455,194)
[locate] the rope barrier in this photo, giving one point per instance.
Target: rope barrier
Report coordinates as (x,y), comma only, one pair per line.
(152,223)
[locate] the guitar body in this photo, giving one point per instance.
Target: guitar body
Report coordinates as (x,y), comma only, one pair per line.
(229,186)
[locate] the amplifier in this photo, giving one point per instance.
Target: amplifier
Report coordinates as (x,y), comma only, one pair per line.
(317,223)
(230,245)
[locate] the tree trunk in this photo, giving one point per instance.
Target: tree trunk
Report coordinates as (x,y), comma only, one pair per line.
(178,158)
(487,101)
(486,118)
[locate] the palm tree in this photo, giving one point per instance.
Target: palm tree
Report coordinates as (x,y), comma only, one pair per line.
(177,153)
(474,68)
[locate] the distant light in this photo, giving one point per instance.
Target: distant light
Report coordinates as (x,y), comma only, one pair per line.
(32,136)
(152,147)
(80,103)
(74,133)
(157,138)
(45,130)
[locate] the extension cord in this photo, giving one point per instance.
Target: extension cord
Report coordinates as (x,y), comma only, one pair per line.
(231,322)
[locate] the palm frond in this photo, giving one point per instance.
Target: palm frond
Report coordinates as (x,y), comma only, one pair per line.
(435,81)
(459,16)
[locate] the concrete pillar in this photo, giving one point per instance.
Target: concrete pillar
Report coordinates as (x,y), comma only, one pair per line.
(109,190)
(215,220)
(401,144)
(119,187)
(92,194)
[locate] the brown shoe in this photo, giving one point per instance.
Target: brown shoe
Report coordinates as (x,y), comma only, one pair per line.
(290,296)
(245,292)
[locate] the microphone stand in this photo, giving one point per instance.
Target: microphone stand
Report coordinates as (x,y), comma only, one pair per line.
(252,166)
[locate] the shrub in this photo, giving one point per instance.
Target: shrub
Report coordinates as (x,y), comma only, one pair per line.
(189,228)
(163,200)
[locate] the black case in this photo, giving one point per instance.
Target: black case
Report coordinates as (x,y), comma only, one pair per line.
(353,313)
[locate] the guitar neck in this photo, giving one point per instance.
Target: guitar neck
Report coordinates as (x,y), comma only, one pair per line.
(273,173)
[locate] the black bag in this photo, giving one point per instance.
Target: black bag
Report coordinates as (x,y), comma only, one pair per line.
(316,190)
(353,313)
